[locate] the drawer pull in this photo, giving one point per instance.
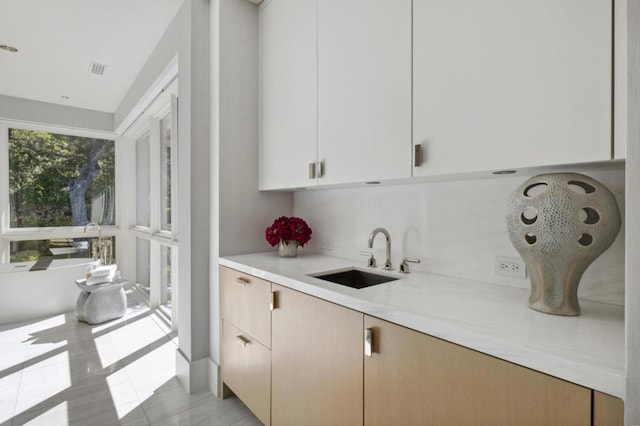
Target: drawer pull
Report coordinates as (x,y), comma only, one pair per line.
(242,281)
(368,342)
(242,341)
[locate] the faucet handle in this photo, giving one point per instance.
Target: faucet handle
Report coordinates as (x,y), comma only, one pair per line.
(404,266)
(371,262)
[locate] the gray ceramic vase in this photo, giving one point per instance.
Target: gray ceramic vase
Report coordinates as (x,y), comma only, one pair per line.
(560,223)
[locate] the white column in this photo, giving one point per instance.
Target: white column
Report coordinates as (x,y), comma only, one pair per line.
(194,140)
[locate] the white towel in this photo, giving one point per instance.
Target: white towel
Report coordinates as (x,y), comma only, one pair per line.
(102,271)
(103,280)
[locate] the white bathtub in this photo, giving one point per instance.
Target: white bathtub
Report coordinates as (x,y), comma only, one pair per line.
(26,294)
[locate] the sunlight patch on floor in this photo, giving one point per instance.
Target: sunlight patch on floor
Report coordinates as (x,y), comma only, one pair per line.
(58,415)
(123,394)
(161,361)
(36,386)
(8,395)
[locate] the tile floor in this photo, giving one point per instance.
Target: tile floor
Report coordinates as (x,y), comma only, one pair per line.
(58,371)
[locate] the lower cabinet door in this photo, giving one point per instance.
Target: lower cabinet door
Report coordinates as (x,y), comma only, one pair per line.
(607,410)
(415,379)
(317,351)
(246,370)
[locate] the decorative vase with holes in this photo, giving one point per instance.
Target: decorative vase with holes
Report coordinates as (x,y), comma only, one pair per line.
(560,223)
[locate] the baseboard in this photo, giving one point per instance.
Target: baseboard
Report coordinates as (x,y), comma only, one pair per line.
(193,375)
(214,378)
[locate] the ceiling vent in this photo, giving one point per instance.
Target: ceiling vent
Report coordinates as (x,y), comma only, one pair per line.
(8,48)
(96,68)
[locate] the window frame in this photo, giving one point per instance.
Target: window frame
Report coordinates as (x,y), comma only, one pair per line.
(7,233)
(149,123)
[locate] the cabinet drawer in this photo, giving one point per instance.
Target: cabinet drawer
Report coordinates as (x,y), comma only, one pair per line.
(244,301)
(246,370)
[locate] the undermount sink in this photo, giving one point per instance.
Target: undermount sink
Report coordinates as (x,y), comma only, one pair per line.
(355,278)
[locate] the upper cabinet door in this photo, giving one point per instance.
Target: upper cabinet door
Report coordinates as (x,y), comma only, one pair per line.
(364,90)
(511,83)
(288,93)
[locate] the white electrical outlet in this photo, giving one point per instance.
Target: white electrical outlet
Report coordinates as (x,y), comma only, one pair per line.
(510,267)
(326,244)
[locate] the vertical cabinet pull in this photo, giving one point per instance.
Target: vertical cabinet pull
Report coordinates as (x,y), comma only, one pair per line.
(315,170)
(417,155)
(242,281)
(368,342)
(272,305)
(241,341)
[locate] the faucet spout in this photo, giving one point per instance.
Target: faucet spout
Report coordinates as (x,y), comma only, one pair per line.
(387,264)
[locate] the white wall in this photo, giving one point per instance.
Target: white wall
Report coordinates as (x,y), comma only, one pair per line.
(187,39)
(240,213)
(162,55)
(456,228)
(58,115)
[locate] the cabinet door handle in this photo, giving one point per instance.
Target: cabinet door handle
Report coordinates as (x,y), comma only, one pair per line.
(319,171)
(272,304)
(312,170)
(242,341)
(242,281)
(417,155)
(368,342)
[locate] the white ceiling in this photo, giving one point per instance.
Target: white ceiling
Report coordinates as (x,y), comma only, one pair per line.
(58,39)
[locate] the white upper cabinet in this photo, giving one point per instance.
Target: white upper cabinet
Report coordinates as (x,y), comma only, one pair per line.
(364,90)
(620,78)
(288,92)
(336,91)
(511,83)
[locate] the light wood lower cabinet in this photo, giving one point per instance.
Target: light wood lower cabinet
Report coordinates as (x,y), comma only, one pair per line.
(245,340)
(415,379)
(246,370)
(316,361)
(316,371)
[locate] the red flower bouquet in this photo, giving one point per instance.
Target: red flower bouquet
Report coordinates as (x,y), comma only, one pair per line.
(288,230)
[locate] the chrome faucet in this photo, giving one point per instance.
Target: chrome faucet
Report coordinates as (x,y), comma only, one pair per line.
(103,249)
(387,263)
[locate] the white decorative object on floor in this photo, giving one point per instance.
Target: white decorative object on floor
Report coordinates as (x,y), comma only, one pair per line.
(560,223)
(101,302)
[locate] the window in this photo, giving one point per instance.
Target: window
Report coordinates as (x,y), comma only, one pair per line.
(53,181)
(142,182)
(143,272)
(152,140)
(60,180)
(165,174)
(165,282)
(59,248)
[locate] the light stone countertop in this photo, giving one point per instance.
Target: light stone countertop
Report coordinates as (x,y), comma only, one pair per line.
(587,350)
